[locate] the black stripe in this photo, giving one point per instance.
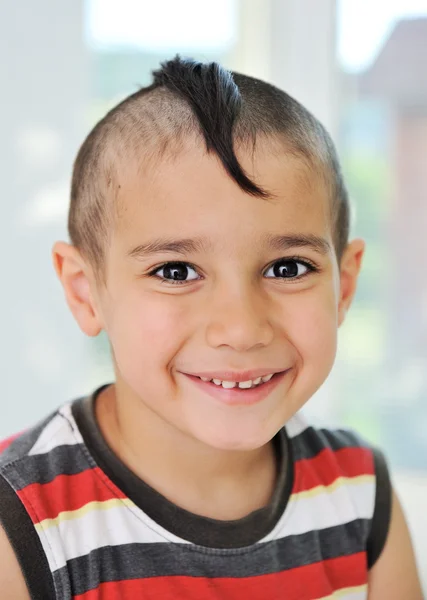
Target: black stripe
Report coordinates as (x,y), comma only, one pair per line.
(310,442)
(382,513)
(44,468)
(26,544)
(139,561)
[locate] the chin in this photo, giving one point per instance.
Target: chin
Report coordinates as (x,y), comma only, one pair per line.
(237,439)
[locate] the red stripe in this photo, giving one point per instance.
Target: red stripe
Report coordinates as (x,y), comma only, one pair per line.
(71,492)
(67,492)
(313,581)
(328,465)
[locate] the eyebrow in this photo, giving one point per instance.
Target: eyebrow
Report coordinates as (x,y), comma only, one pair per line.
(286,242)
(198,245)
(178,246)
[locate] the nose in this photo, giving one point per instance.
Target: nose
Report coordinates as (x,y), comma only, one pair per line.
(239,320)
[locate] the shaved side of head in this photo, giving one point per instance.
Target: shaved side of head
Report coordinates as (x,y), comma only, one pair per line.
(206,103)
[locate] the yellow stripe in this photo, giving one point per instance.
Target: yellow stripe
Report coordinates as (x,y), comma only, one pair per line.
(70,515)
(116,502)
(328,489)
(345,592)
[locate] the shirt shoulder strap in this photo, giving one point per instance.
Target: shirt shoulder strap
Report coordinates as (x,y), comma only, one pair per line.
(26,544)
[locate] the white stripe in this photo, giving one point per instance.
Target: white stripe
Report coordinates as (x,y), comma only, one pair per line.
(60,431)
(342,505)
(127,524)
(119,524)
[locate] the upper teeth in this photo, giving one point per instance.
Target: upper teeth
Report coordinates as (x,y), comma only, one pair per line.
(241,384)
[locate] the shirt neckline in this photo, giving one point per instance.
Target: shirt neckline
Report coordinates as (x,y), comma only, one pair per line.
(183,524)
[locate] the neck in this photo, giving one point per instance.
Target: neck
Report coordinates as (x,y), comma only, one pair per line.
(218,484)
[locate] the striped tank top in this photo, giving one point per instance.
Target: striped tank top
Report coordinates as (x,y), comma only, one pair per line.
(84,527)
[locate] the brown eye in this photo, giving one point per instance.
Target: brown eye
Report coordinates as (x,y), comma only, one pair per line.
(288,269)
(176,272)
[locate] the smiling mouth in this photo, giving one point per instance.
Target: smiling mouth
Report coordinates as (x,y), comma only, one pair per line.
(242,392)
(242,385)
(249,384)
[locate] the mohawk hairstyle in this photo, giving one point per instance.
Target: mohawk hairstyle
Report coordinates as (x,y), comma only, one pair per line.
(222,108)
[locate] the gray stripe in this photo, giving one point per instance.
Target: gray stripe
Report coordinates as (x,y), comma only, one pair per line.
(311,442)
(140,561)
(44,468)
(23,444)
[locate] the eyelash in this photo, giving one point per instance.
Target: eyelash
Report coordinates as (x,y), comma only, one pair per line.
(312,268)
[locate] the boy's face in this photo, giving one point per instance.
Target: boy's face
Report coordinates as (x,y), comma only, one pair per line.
(232,309)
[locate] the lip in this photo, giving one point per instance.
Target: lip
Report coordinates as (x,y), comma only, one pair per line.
(237,396)
(236,376)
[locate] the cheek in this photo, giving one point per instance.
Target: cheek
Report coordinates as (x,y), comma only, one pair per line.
(145,332)
(313,332)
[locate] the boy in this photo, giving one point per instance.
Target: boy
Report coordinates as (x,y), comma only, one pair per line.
(209,227)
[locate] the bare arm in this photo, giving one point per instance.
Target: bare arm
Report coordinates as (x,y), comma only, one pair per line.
(12,582)
(394,575)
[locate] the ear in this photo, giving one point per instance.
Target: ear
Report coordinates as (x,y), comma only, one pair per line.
(76,279)
(351,263)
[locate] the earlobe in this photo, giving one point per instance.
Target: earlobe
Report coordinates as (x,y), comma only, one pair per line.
(351,263)
(74,275)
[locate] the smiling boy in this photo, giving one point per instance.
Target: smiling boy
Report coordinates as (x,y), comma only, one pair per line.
(209,238)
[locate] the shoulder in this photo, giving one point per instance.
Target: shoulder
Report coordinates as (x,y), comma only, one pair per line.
(395,575)
(346,464)
(29,464)
(343,447)
(12,581)
(55,430)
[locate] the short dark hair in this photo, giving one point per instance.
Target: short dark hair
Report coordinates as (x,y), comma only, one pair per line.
(223,109)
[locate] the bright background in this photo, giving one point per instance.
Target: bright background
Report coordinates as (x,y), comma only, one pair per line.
(360,66)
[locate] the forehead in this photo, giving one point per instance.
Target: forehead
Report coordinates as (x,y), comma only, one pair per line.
(191,194)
